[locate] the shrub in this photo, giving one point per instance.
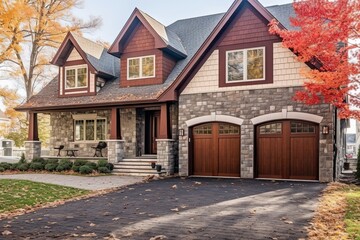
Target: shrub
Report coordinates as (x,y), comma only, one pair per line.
(37,166)
(51,167)
(65,165)
(39,160)
(103,170)
(79,162)
(6,166)
(110,166)
(85,169)
(14,166)
(52,161)
(2,169)
(22,158)
(75,168)
(23,167)
(92,165)
(102,163)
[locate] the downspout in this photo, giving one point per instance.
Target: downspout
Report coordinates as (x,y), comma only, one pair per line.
(335,145)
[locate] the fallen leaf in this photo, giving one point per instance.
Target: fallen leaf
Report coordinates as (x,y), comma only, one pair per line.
(288,222)
(159,237)
(92,224)
(6,233)
(175,209)
(174,186)
(197,183)
(115,219)
(89,235)
(148,190)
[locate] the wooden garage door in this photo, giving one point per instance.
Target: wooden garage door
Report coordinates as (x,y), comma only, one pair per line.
(287,150)
(216,150)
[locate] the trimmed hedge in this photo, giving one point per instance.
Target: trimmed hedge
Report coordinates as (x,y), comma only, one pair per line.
(51,165)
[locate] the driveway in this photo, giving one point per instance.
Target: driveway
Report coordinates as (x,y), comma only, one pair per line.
(193,208)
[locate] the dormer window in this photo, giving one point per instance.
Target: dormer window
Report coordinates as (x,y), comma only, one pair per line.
(76,77)
(141,67)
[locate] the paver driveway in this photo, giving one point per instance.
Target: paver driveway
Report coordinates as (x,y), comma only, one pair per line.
(179,209)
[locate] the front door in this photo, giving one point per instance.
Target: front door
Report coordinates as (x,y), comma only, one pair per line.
(152,130)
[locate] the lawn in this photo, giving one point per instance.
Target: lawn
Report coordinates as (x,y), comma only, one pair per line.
(338,214)
(352,216)
(20,194)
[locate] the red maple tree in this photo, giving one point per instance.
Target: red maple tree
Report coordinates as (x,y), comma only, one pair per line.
(327,33)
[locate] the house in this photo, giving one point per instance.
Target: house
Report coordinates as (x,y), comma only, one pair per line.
(206,96)
(4,122)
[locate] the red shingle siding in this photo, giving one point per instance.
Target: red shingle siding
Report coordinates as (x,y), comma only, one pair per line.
(142,43)
(247,27)
(141,40)
(168,63)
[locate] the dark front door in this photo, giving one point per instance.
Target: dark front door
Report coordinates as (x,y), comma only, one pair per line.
(152,129)
(216,150)
(287,150)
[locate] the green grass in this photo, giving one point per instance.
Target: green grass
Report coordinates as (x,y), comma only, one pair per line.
(352,217)
(20,194)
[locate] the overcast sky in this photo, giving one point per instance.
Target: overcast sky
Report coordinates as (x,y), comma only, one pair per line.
(114,13)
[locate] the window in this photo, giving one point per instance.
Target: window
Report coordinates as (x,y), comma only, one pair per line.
(141,67)
(90,129)
(245,65)
(203,129)
(301,127)
(227,129)
(272,128)
(76,77)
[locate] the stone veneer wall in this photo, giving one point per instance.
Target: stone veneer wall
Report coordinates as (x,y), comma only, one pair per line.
(140,132)
(128,131)
(174,113)
(62,132)
(246,105)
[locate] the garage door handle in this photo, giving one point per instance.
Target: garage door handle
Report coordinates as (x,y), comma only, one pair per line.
(189,139)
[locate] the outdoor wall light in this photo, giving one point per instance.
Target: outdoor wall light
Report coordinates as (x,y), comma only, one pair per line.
(325,130)
(181,132)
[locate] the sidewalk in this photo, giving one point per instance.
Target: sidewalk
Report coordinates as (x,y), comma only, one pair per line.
(88,183)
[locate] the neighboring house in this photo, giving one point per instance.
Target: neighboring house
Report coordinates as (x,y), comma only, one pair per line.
(209,96)
(351,145)
(4,122)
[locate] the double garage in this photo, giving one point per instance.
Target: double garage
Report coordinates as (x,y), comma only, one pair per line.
(284,149)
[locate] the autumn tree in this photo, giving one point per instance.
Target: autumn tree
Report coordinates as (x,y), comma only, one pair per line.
(326,33)
(30,31)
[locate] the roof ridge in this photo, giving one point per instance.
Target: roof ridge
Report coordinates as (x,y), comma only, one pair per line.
(142,12)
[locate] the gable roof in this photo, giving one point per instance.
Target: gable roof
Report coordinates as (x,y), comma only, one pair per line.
(194,34)
(164,38)
(93,54)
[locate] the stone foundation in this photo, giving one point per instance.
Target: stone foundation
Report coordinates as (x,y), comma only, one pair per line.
(115,150)
(32,150)
(166,155)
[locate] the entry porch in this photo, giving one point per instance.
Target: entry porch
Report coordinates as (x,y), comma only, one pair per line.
(134,136)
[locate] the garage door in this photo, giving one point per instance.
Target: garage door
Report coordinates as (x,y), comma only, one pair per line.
(216,150)
(287,150)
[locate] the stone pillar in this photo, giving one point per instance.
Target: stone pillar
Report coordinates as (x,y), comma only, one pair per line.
(116,150)
(32,150)
(166,155)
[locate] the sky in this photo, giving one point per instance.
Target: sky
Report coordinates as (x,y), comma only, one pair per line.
(114,13)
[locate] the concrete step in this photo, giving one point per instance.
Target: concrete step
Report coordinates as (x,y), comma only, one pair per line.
(133,163)
(148,160)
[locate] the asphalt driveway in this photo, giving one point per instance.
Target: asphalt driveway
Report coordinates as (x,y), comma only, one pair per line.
(179,209)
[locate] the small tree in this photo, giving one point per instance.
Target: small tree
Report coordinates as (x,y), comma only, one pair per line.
(358,166)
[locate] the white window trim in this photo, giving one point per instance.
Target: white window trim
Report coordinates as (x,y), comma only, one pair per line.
(95,129)
(140,67)
(76,76)
(245,64)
